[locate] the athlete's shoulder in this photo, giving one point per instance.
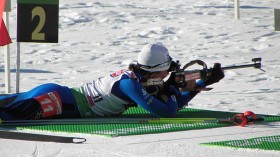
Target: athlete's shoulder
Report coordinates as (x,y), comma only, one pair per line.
(128,84)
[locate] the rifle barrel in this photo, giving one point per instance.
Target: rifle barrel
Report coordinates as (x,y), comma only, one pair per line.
(256,65)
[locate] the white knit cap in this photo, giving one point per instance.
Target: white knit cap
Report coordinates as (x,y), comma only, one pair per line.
(154,57)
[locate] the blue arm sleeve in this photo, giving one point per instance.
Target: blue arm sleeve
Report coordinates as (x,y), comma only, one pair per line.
(183,99)
(187,96)
(137,93)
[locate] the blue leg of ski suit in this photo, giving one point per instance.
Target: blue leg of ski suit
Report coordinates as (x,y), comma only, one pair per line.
(24,106)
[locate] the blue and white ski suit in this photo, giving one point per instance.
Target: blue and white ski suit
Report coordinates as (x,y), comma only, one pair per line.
(107,96)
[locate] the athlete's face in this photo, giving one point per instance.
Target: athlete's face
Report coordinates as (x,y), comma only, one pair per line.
(160,74)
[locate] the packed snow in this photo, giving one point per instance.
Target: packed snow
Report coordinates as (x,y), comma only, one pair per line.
(100,37)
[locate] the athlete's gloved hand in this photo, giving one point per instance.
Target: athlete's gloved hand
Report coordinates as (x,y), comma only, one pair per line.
(174,80)
(216,75)
(172,90)
(153,90)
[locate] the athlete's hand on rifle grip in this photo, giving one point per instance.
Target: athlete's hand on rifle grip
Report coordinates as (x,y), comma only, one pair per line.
(216,74)
(172,90)
(173,80)
(189,86)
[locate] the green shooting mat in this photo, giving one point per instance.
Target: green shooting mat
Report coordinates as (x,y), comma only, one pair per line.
(123,129)
(265,143)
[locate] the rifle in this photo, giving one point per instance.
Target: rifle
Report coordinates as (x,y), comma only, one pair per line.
(183,76)
(201,74)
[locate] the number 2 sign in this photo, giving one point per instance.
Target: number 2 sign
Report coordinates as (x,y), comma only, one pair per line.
(37,21)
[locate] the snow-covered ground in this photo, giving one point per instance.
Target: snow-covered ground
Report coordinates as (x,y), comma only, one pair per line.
(100,37)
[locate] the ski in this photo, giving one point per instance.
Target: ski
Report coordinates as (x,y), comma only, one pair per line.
(239,119)
(39,137)
(104,121)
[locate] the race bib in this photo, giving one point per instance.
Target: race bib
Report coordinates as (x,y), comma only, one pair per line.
(51,104)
